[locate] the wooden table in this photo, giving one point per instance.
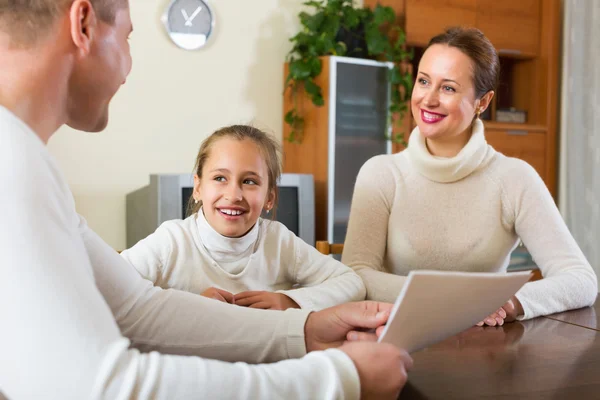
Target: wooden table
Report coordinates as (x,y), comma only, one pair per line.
(554,357)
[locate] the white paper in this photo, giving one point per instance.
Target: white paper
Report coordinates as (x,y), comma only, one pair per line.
(434,305)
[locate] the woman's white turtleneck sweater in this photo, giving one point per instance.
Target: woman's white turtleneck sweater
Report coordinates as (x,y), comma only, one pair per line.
(413,211)
(190,255)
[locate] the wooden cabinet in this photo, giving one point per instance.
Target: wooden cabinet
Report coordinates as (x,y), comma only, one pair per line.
(427,18)
(527,36)
(513,27)
(520,143)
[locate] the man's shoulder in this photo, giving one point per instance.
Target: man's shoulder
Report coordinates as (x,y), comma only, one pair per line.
(25,163)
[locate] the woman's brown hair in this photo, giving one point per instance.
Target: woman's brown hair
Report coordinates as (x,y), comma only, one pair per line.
(473,43)
(269,147)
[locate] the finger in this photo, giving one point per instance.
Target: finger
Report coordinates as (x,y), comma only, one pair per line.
(227,296)
(251,293)
(248,301)
(262,305)
(502,313)
(406,360)
(500,321)
(379,331)
(480,323)
(355,336)
(217,296)
(365,314)
(377,306)
(491,320)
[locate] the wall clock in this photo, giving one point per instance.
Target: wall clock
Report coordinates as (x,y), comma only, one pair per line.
(189,23)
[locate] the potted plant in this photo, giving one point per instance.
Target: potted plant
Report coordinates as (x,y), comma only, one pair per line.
(338,28)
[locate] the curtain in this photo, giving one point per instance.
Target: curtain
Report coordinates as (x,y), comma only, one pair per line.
(580,126)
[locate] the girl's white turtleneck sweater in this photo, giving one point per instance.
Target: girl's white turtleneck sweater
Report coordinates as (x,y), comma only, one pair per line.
(412,211)
(190,255)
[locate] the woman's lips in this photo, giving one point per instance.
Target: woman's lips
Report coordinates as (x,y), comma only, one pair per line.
(430,117)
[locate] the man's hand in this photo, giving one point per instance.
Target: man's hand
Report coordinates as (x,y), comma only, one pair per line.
(265,300)
(507,313)
(382,368)
(218,294)
(359,321)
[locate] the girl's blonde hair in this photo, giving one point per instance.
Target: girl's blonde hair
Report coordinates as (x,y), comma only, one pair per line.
(270,148)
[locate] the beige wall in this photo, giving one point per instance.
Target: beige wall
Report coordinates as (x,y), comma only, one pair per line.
(173,99)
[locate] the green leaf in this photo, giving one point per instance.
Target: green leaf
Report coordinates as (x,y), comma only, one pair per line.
(318,100)
(401,39)
(396,77)
(331,26)
(313,23)
(299,70)
(341,49)
(312,3)
(382,15)
(351,18)
(312,88)
(289,117)
(315,67)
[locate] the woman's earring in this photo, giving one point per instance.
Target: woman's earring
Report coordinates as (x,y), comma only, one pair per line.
(195,201)
(478,112)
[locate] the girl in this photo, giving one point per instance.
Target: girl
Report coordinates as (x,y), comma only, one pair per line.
(224,250)
(451,202)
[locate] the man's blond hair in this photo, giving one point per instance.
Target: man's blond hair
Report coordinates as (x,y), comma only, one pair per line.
(27,20)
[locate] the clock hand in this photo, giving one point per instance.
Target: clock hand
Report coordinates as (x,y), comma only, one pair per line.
(194,15)
(185,16)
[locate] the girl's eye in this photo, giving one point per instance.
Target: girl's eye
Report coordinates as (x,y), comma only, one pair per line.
(250,182)
(449,89)
(219,178)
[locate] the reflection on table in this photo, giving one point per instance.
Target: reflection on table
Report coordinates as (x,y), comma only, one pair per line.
(544,358)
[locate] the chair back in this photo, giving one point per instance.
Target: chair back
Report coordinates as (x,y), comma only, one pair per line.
(329,248)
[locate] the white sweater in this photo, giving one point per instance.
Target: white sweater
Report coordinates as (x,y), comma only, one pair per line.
(412,210)
(190,255)
(71,308)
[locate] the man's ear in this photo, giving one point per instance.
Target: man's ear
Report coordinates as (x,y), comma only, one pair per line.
(83,25)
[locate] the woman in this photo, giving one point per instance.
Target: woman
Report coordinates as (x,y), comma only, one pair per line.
(451,202)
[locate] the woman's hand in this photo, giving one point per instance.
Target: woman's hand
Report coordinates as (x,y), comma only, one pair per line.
(507,313)
(265,300)
(219,294)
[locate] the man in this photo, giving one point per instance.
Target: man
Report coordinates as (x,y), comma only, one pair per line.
(71,307)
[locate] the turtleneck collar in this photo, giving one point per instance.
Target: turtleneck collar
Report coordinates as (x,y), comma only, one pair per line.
(222,248)
(473,156)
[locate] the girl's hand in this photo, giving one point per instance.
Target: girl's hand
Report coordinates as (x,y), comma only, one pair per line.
(219,294)
(507,313)
(265,300)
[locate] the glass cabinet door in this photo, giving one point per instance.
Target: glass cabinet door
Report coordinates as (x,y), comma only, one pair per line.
(360,113)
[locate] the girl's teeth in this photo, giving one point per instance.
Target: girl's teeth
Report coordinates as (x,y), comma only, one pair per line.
(231,212)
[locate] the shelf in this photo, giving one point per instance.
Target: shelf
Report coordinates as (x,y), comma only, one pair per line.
(507,126)
(516,54)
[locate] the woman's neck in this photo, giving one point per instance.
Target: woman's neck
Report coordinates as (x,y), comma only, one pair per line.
(449,147)
(450,160)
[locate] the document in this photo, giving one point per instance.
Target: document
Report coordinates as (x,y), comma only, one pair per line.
(434,305)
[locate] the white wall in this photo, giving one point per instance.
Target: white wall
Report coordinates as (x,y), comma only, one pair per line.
(173,99)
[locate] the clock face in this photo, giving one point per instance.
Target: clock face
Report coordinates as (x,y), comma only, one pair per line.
(189,23)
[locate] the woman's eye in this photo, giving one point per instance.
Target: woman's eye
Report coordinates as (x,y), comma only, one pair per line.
(219,178)
(449,89)
(422,81)
(250,182)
